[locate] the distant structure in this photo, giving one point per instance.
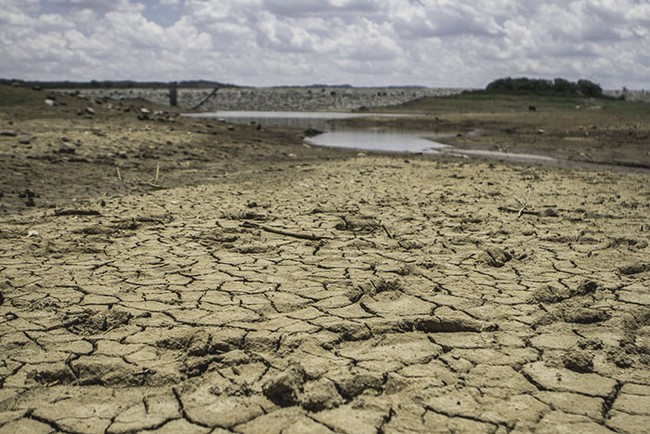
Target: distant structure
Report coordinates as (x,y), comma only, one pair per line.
(173,93)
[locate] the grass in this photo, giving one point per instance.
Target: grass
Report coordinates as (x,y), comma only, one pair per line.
(11,96)
(496,103)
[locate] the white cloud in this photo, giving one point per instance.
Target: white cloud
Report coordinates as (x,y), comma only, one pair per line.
(363,42)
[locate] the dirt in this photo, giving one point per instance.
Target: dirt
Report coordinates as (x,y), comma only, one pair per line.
(230,279)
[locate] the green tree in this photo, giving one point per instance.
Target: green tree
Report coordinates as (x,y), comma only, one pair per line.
(590,89)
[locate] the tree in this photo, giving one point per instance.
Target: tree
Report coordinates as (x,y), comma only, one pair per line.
(560,85)
(541,86)
(590,89)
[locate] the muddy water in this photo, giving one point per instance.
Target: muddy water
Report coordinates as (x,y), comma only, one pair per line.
(369,139)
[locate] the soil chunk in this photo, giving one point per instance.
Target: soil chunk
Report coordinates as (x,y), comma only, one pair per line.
(286,388)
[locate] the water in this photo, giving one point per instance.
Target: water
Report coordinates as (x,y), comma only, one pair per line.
(367,139)
(376,140)
(336,136)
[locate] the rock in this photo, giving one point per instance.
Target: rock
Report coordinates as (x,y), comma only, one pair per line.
(8,133)
(90,111)
(67,149)
(579,361)
(285,389)
(50,102)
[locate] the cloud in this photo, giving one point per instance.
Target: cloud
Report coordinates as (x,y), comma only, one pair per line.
(363,42)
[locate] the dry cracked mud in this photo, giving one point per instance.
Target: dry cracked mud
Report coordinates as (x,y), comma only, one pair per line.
(160,274)
(373,295)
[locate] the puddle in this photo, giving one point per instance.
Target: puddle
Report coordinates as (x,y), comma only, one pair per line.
(374,140)
(366,139)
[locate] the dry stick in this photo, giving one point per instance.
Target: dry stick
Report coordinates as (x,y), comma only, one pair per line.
(310,237)
(387,233)
(519,212)
(157,173)
(119,175)
(523,204)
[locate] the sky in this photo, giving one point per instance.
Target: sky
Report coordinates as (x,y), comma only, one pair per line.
(437,43)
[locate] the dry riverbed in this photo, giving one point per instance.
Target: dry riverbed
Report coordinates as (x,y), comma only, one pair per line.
(229,279)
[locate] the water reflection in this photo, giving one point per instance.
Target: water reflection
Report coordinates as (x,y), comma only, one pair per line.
(335,135)
(375,140)
(370,139)
(301,120)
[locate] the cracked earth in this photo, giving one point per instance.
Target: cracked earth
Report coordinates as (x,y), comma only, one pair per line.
(373,295)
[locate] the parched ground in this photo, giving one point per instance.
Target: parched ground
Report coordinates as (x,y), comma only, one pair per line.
(174,275)
(369,295)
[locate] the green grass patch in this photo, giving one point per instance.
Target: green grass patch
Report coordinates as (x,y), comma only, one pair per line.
(11,96)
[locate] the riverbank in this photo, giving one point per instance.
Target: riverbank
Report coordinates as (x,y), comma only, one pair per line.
(170,274)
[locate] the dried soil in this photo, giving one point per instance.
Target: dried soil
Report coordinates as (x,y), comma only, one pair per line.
(257,285)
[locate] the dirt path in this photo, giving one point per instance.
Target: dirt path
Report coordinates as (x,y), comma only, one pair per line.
(368,295)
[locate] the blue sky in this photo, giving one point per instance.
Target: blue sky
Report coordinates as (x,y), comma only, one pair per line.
(441,43)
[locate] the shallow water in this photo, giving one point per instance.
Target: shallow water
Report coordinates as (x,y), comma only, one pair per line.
(367,139)
(376,140)
(336,136)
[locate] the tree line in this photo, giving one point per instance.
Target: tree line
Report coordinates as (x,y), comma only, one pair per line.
(535,85)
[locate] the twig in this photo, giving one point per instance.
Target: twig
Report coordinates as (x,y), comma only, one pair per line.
(119,175)
(310,237)
(157,173)
(387,233)
(524,204)
(521,211)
